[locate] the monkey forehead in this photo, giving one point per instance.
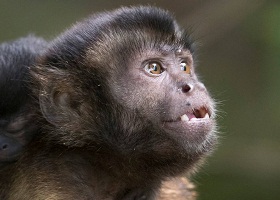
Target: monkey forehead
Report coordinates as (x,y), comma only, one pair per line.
(168,50)
(140,40)
(164,52)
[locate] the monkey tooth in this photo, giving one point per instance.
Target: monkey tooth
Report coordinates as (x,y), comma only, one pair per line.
(184,117)
(196,116)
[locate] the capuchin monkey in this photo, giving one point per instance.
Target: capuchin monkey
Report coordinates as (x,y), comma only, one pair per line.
(17,125)
(121,110)
(17,129)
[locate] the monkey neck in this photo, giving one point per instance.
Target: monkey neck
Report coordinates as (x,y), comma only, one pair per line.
(139,164)
(133,168)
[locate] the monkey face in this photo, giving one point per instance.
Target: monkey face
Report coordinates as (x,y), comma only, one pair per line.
(15,132)
(161,86)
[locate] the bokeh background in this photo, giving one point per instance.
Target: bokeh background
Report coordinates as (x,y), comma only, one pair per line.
(239,61)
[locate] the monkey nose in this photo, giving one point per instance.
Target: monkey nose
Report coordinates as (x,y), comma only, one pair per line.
(187,88)
(4,147)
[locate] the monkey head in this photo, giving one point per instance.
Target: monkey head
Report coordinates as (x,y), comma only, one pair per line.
(125,83)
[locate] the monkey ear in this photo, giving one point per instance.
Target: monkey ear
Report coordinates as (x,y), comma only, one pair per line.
(57,107)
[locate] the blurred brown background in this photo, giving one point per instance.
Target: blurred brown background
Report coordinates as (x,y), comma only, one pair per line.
(239,61)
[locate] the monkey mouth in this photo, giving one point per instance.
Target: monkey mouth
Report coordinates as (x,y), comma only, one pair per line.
(201,113)
(195,124)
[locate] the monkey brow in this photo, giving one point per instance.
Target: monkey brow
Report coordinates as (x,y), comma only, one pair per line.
(168,49)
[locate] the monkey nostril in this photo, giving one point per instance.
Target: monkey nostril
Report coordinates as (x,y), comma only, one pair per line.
(5,146)
(186,88)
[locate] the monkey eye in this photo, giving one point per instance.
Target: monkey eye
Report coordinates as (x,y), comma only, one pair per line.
(16,125)
(154,68)
(185,67)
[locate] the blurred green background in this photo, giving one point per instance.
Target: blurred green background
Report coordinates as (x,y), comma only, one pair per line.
(239,61)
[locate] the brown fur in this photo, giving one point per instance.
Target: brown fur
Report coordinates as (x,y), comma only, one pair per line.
(178,189)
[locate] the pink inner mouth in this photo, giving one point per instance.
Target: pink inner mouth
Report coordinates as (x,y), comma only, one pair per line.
(200,113)
(190,115)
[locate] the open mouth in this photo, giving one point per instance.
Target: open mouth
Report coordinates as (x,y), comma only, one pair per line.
(196,114)
(193,123)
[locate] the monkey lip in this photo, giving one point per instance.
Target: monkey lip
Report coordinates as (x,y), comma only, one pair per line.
(199,114)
